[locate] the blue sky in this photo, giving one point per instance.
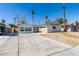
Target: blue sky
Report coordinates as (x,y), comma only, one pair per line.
(8,11)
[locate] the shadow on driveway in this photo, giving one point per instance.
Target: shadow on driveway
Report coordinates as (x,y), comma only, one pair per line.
(11,34)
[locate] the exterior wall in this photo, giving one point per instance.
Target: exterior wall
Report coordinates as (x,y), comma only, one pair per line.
(7,30)
(25,26)
(78,30)
(15,30)
(50,28)
(69,29)
(62,29)
(36,29)
(43,29)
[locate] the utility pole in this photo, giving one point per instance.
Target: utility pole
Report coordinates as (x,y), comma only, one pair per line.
(15,21)
(18,33)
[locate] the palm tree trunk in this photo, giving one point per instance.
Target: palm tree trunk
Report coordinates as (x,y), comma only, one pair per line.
(33,22)
(64,14)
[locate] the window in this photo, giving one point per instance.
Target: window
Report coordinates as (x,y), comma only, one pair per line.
(27,29)
(22,29)
(54,27)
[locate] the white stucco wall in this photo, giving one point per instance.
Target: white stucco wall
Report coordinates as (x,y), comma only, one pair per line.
(69,30)
(26,26)
(43,29)
(62,29)
(50,28)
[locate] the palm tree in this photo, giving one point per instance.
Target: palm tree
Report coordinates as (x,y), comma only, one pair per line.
(64,11)
(46,19)
(60,20)
(33,13)
(64,15)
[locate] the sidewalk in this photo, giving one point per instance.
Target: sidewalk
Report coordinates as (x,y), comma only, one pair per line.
(10,47)
(71,52)
(3,39)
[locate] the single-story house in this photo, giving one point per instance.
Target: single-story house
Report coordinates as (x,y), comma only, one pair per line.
(25,27)
(52,27)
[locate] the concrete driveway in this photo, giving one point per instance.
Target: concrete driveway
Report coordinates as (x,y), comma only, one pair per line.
(32,44)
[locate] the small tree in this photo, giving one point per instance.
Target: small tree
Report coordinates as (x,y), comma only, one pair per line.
(60,20)
(12,25)
(2,27)
(3,21)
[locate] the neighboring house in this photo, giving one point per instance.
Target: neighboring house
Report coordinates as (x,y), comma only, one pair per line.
(25,27)
(74,27)
(7,29)
(28,28)
(1,28)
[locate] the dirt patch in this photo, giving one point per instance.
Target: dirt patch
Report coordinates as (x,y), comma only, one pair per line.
(66,38)
(71,35)
(72,43)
